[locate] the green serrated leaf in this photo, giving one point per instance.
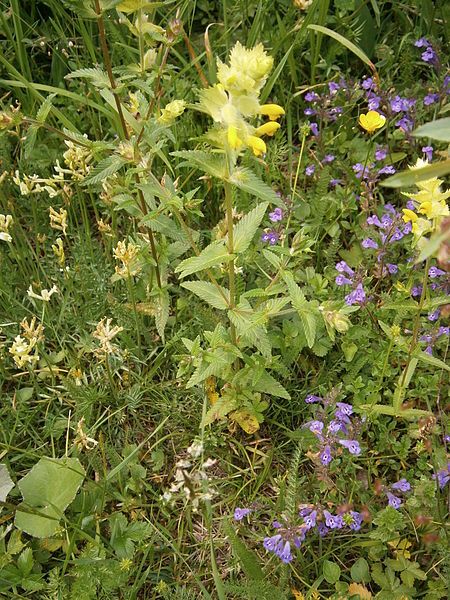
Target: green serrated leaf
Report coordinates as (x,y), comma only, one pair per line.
(162,306)
(331,571)
(212,256)
(307,313)
(96,76)
(218,298)
(244,231)
(269,385)
(224,405)
(213,165)
(431,360)
(105,168)
(246,180)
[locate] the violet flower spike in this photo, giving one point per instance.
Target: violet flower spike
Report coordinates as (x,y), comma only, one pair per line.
(240,513)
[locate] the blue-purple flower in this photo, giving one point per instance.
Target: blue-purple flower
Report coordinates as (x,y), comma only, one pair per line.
(240,513)
(443,476)
(352,446)
(276,215)
(393,500)
(402,485)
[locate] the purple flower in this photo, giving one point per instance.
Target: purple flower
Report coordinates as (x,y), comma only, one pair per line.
(393,500)
(410,205)
(270,236)
(328,158)
(374,102)
(335,182)
(342,280)
(310,170)
(332,521)
(276,215)
(435,272)
(311,97)
(416,291)
(429,56)
(361,171)
(367,83)
(240,513)
(430,99)
(358,296)
(309,112)
(443,331)
(311,399)
(315,427)
(387,170)
(386,221)
(357,520)
(381,153)
(305,509)
(314,129)
(271,543)
(429,350)
(343,267)
(352,446)
(284,553)
(333,87)
(405,124)
(325,456)
(397,104)
(322,529)
(402,485)
(369,243)
(434,316)
(334,426)
(443,476)
(428,151)
(374,220)
(422,43)
(346,409)
(392,268)
(310,520)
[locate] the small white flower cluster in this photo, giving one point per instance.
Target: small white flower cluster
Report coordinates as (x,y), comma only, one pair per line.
(191,480)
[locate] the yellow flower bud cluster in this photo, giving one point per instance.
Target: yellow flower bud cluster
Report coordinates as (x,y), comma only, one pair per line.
(235,98)
(429,201)
(23,349)
(128,255)
(5,223)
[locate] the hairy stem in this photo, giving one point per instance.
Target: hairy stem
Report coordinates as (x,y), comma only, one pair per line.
(230,245)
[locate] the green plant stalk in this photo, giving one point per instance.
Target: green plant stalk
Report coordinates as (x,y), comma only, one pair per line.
(108,67)
(230,245)
(136,316)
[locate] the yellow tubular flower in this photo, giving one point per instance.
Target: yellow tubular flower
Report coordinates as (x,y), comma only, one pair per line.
(273,111)
(371,121)
(233,139)
(409,215)
(269,128)
(257,145)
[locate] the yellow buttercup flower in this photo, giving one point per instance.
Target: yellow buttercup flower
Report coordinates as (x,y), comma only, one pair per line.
(371,121)
(257,145)
(273,111)
(269,128)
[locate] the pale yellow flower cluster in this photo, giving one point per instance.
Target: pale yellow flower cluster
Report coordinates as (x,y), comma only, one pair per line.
(429,201)
(45,294)
(172,111)
(58,250)
(104,333)
(5,223)
(77,159)
(58,220)
(23,349)
(33,184)
(236,98)
(127,254)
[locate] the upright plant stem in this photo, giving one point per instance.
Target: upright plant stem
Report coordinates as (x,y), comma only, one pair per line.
(108,67)
(231,273)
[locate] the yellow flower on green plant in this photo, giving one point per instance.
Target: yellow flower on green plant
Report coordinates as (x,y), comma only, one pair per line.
(269,128)
(171,111)
(247,71)
(257,145)
(409,215)
(273,111)
(371,121)
(234,141)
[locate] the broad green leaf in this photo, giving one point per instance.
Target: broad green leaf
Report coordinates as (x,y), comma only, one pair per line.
(209,293)
(212,256)
(162,307)
(247,181)
(131,6)
(412,176)
(267,384)
(6,483)
(244,231)
(307,313)
(212,164)
(345,42)
(381,409)
(360,570)
(220,409)
(331,571)
(47,491)
(436,130)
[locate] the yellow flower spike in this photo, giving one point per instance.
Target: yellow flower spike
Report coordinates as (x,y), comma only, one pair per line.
(233,139)
(273,111)
(409,215)
(257,145)
(371,121)
(269,128)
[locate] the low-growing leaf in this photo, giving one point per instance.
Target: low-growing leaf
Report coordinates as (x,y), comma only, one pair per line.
(6,483)
(208,292)
(331,571)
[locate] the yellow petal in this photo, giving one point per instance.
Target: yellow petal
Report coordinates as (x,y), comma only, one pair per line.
(371,121)
(273,111)
(409,215)
(233,139)
(257,145)
(269,128)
